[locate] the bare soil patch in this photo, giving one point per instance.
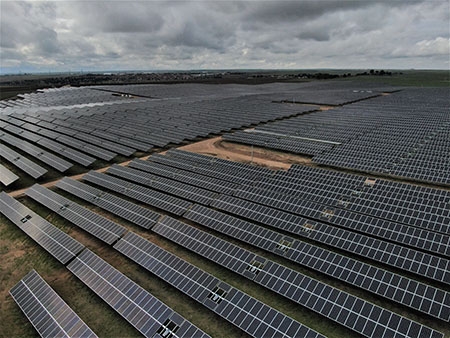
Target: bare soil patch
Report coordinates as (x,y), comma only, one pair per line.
(272,159)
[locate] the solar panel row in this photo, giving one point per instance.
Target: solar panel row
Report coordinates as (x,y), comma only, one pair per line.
(7,176)
(61,246)
(414,237)
(147,314)
(354,195)
(23,163)
(163,184)
(209,183)
(372,135)
(36,135)
(148,196)
(255,318)
(352,312)
(403,290)
(134,213)
(49,314)
(401,257)
(99,226)
(37,152)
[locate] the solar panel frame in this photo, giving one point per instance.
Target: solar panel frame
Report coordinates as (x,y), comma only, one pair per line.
(46,310)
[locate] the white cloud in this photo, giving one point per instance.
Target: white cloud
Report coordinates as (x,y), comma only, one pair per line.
(251,34)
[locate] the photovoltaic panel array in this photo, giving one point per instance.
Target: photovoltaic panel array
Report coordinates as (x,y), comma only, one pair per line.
(65,122)
(56,242)
(130,211)
(209,183)
(392,201)
(358,315)
(99,226)
(21,162)
(46,310)
(404,134)
(36,152)
(37,134)
(403,290)
(255,318)
(163,184)
(404,258)
(148,196)
(400,289)
(398,256)
(322,220)
(147,314)
(225,170)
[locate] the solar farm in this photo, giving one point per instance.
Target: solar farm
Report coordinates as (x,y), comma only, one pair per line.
(112,224)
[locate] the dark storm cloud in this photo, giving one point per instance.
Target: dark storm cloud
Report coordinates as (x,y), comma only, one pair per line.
(224,34)
(314,35)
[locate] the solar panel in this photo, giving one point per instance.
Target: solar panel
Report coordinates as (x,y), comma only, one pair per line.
(99,226)
(192,178)
(86,147)
(72,154)
(223,299)
(146,313)
(37,152)
(7,176)
(134,213)
(321,232)
(56,242)
(373,279)
(395,255)
(37,136)
(118,148)
(163,184)
(300,288)
(46,310)
(148,196)
(23,163)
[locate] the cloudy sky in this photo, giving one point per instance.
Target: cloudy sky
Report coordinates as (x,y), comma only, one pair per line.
(91,35)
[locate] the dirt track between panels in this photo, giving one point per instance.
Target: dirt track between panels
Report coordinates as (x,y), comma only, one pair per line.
(247,154)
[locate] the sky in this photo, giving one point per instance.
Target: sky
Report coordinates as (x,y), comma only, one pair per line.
(90,35)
